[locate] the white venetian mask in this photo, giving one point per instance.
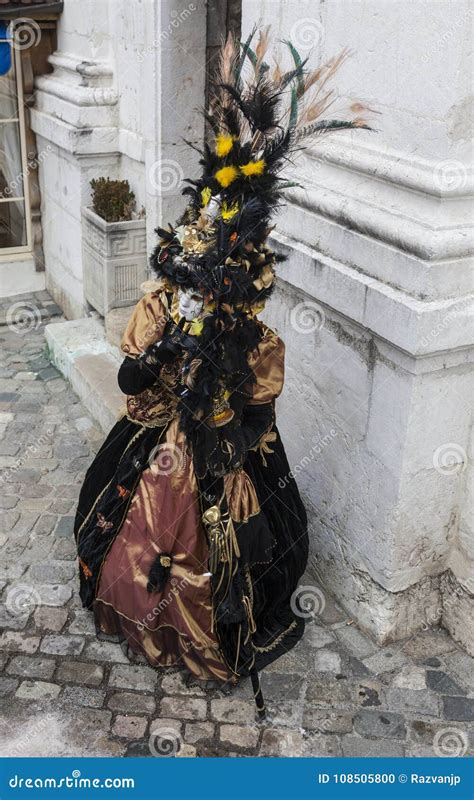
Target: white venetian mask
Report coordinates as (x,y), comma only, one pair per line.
(190,304)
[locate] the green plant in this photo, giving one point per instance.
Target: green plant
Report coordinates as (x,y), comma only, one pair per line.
(112,200)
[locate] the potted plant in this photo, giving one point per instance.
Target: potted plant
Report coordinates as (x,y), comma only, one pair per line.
(114,246)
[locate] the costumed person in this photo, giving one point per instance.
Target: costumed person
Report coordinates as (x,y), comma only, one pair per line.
(190,530)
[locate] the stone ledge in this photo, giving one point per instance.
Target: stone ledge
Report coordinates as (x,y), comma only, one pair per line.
(80,351)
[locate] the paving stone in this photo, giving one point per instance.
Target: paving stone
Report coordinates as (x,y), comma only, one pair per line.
(239,735)
(432,662)
(175,684)
(165,738)
(233,711)
(63,645)
(19,642)
(7,685)
(129,727)
(65,526)
(10,621)
(140,678)
(32,667)
(327,661)
(52,572)
(105,651)
(138,750)
(3,659)
(37,690)
(281,686)
(326,722)
(65,549)
(387,659)
(131,703)
(328,691)
(186,751)
(461,665)
(368,693)
(459,708)
(82,622)
(50,619)
(199,731)
(410,677)
(282,743)
(53,594)
(78,695)
(440,682)
(357,747)
(45,524)
(413,702)
(80,672)
(318,636)
(380,724)
(318,745)
(183,707)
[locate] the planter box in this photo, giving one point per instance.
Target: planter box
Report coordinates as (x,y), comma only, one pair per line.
(114,261)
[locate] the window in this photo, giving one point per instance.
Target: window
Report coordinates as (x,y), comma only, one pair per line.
(15,224)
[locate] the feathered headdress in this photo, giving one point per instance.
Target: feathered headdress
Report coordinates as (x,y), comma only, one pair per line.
(259,117)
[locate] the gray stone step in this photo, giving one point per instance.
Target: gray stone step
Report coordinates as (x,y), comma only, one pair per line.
(80,351)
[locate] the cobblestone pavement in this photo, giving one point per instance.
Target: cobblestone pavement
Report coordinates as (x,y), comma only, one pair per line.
(65,693)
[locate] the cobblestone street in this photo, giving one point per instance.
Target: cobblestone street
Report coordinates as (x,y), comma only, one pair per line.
(64,693)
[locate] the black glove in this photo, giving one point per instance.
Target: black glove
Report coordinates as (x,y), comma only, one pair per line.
(137,374)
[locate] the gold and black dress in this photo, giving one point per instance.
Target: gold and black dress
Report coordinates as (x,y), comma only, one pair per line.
(230,550)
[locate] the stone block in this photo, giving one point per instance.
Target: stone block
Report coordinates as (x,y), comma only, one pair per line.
(233,711)
(129,727)
(80,672)
(131,703)
(239,736)
(63,645)
(199,731)
(379,724)
(50,619)
(32,667)
(139,678)
(37,690)
(183,707)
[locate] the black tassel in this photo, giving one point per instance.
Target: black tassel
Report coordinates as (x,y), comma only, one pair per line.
(159,573)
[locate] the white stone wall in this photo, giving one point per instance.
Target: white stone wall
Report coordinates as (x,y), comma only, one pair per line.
(375,309)
(127,79)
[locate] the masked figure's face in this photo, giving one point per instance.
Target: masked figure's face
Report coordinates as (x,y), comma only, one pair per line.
(190,303)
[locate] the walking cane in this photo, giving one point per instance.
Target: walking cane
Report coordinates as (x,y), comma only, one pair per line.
(257,693)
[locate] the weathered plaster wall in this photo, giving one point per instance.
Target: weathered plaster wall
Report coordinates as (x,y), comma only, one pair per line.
(374,307)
